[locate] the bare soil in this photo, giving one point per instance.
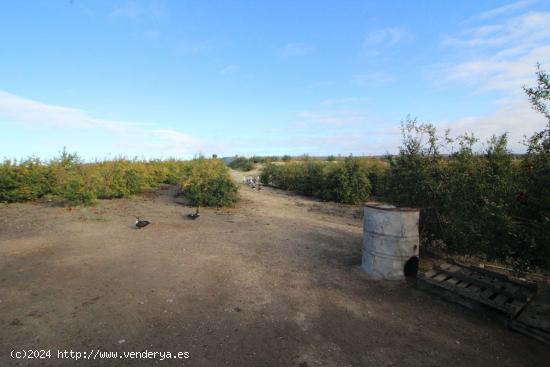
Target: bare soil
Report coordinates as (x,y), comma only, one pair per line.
(275,281)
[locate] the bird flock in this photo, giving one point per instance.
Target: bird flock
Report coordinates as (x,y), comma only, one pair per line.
(253,182)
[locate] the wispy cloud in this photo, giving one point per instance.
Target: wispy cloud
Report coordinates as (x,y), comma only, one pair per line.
(499,72)
(512,116)
(294,49)
(505,9)
(525,30)
(501,55)
(21,111)
(387,37)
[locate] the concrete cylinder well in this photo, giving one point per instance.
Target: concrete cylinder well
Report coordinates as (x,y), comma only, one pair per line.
(390,241)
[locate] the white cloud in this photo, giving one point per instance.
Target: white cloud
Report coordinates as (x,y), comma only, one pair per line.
(386,36)
(512,116)
(508,8)
(526,30)
(21,111)
(295,49)
(501,55)
(29,112)
(502,73)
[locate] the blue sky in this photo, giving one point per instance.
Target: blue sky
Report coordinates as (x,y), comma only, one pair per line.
(158,78)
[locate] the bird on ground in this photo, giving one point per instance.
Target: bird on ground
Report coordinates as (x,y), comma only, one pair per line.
(194,215)
(140,223)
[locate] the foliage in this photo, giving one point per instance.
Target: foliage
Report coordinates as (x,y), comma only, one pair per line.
(68,178)
(378,175)
(533,212)
(242,164)
(25,180)
(345,182)
(207,182)
(473,203)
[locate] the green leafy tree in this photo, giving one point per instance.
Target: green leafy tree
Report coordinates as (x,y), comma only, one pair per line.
(533,202)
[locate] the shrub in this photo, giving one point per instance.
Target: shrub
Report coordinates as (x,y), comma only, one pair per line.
(242,164)
(532,213)
(76,191)
(27,180)
(67,177)
(345,182)
(267,173)
(479,194)
(257,159)
(377,170)
(272,158)
(207,182)
(474,203)
(415,172)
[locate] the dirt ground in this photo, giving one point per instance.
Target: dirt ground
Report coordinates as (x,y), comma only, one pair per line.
(275,281)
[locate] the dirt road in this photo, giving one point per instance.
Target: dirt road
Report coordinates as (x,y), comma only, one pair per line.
(274,281)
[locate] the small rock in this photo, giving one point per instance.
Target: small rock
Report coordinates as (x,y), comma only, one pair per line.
(122,341)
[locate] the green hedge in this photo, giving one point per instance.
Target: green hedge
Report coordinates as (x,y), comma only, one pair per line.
(79,183)
(242,164)
(207,182)
(488,204)
(344,182)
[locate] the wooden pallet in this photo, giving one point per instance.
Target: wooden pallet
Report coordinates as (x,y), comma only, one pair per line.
(475,287)
(534,320)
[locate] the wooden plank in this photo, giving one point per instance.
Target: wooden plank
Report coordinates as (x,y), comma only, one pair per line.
(529,285)
(454,268)
(501,300)
(453,281)
(431,273)
(440,277)
(496,286)
(449,293)
(537,315)
(476,295)
(487,293)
